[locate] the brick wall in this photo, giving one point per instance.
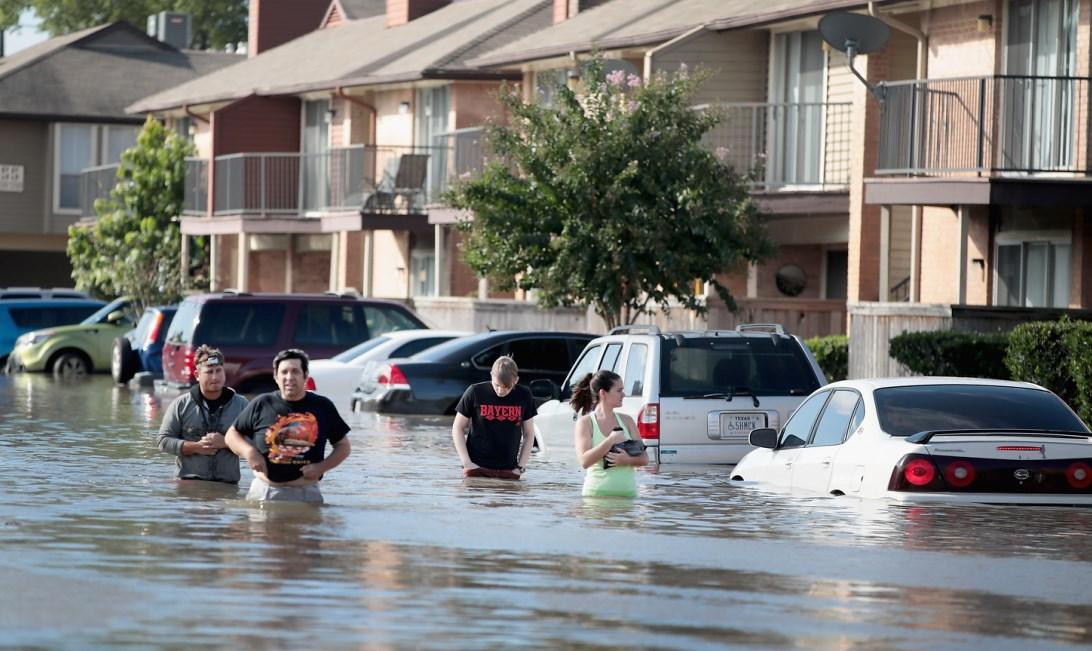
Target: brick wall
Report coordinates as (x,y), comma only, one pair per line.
(257,124)
(956,47)
(225,267)
(400,12)
(979,246)
(939,255)
(864,219)
(274,22)
(310,271)
(266,271)
(808,257)
(474,102)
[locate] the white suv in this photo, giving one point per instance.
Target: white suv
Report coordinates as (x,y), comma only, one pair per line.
(696,396)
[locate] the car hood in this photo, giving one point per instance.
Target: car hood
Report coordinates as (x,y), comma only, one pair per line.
(68,329)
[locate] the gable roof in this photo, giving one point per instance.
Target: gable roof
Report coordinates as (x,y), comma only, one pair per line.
(95,73)
(359,9)
(633,23)
(367,52)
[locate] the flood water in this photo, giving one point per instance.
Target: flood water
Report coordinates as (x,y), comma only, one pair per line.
(102,549)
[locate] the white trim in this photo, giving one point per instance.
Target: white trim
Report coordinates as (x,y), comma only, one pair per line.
(94,150)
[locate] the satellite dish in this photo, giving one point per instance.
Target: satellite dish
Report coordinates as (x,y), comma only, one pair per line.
(855,34)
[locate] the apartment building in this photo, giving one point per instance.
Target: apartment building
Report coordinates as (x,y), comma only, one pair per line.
(322,155)
(62,110)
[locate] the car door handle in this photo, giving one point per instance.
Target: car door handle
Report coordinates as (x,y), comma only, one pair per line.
(825,462)
(574,416)
(788,464)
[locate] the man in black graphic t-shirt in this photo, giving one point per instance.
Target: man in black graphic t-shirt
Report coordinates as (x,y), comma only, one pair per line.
(282,435)
(498,415)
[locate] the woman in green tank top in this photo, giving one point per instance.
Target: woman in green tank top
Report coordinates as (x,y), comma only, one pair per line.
(608,472)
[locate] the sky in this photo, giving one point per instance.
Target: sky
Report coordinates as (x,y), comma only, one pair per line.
(25,36)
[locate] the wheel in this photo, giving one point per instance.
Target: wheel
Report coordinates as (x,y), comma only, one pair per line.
(123,361)
(71,364)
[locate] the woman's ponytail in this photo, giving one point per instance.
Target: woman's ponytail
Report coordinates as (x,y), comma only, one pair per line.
(583,400)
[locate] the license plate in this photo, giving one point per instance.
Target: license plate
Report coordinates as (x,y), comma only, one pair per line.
(735,425)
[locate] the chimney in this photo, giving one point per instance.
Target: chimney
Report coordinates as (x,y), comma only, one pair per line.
(400,12)
(275,22)
(561,11)
(566,9)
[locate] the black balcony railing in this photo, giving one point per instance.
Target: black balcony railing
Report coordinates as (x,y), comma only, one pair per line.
(196,198)
(984,125)
(458,155)
(790,145)
(96,183)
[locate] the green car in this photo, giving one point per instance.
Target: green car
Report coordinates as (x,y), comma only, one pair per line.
(77,349)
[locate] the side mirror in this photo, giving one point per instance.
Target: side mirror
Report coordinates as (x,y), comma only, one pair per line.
(545,389)
(764,437)
(115,317)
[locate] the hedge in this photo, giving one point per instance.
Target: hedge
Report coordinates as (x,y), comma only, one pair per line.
(832,353)
(952,353)
(1055,355)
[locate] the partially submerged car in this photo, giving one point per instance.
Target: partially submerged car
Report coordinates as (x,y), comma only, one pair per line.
(75,350)
(929,439)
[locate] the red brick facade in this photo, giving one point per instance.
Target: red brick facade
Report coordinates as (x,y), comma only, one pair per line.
(275,22)
(400,12)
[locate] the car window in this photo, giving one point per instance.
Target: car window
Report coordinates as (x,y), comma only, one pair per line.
(413,347)
(356,351)
(100,315)
(610,357)
(486,358)
(386,318)
(183,324)
(907,410)
(635,369)
(550,354)
(140,332)
(858,418)
(586,364)
(798,430)
(834,422)
(336,325)
(766,365)
(34,318)
(239,324)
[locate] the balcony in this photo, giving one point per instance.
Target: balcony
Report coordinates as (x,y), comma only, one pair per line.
(375,179)
(794,147)
(457,155)
(96,183)
(984,126)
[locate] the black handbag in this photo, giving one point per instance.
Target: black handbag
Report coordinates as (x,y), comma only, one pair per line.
(629,446)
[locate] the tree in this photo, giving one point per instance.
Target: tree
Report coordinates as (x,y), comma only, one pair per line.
(609,199)
(216,23)
(133,247)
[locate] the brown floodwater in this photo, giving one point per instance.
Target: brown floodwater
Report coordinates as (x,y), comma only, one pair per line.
(102,549)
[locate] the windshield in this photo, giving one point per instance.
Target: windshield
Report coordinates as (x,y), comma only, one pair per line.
(760,365)
(911,409)
(359,349)
(100,316)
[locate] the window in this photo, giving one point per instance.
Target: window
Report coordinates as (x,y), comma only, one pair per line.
(182,326)
(116,139)
(1032,274)
(338,326)
(547,82)
(761,364)
(797,114)
(834,423)
(486,358)
(414,347)
(75,150)
(382,319)
(586,364)
(237,324)
(635,370)
(347,356)
(33,318)
(798,430)
(542,354)
(610,358)
(422,273)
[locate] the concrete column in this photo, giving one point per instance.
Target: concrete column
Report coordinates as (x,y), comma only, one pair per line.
(184,271)
(214,263)
(885,253)
(335,250)
(483,289)
(289,257)
(964,228)
(752,280)
(342,260)
(242,262)
(438,260)
(915,254)
(368,261)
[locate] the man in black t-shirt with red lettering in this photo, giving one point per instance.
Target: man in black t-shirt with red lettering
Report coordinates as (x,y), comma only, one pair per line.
(498,416)
(282,436)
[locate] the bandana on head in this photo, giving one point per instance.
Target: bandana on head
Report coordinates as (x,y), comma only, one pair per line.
(212,360)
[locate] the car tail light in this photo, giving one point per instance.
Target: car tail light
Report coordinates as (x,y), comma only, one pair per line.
(391,375)
(648,421)
(959,473)
(188,366)
(920,472)
(916,472)
(153,332)
(1079,475)
(309,384)
(1019,448)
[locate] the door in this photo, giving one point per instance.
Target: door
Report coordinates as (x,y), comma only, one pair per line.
(434,107)
(812,468)
(314,159)
(796,118)
(554,423)
(793,438)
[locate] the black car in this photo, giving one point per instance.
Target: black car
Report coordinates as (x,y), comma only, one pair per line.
(431,382)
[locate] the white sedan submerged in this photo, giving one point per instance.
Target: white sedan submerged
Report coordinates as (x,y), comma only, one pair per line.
(929,439)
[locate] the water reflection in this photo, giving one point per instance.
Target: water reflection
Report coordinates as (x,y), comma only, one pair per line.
(408,553)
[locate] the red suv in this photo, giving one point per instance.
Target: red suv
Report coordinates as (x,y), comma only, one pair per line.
(251,328)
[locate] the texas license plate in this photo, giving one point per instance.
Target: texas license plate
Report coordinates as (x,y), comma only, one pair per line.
(736,425)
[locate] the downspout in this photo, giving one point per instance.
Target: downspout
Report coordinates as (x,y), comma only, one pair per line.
(915,211)
(196,116)
(372,113)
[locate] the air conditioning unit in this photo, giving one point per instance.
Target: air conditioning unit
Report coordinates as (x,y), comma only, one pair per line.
(170,27)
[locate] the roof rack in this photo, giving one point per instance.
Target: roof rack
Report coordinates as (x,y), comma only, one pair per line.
(236,292)
(642,327)
(773,328)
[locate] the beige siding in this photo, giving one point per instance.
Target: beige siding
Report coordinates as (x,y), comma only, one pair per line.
(26,144)
(836,138)
(394,128)
(738,62)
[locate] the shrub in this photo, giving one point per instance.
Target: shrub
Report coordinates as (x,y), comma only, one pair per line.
(1041,352)
(948,352)
(832,353)
(1079,342)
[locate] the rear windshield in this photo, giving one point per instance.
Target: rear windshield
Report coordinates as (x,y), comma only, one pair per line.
(238,324)
(908,410)
(181,330)
(359,349)
(761,365)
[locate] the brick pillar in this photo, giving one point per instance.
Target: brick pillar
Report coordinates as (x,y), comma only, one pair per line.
(274,22)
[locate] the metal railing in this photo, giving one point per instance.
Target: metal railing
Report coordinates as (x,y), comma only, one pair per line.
(375,178)
(984,125)
(790,145)
(195,201)
(459,155)
(96,183)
